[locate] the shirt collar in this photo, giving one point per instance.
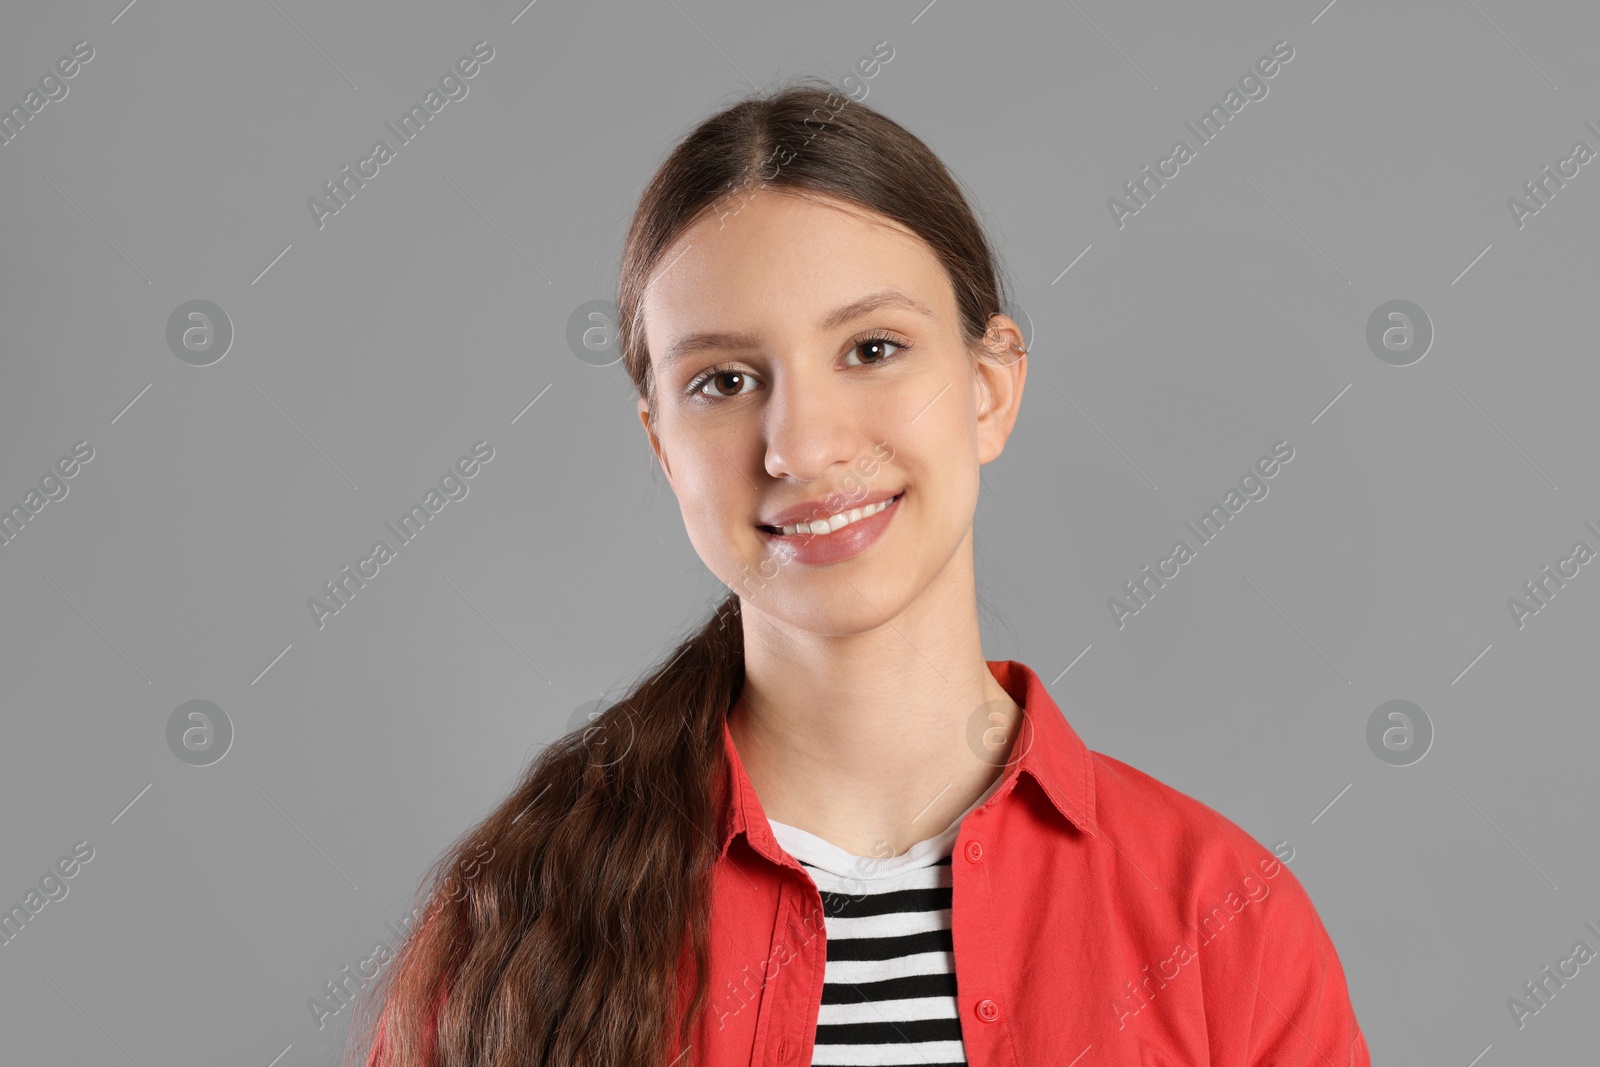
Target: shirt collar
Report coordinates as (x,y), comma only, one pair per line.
(1047,749)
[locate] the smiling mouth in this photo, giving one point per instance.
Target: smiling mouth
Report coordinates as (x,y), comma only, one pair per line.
(860,514)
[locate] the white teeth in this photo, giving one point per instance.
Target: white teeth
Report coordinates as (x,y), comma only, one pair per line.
(832,523)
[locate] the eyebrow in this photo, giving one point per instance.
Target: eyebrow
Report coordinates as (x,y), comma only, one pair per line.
(880,298)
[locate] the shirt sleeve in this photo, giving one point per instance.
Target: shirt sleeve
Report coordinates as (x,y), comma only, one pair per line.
(1302,1015)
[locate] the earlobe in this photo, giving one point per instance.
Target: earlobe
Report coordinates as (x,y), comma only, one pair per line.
(655,442)
(1000,386)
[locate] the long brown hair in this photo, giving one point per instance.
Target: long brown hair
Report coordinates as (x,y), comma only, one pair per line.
(553,931)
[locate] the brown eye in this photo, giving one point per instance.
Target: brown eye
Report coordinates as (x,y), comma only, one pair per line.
(737,378)
(880,349)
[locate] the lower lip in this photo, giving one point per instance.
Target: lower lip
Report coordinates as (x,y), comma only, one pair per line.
(844,543)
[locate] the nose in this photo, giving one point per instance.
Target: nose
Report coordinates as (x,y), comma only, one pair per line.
(812,426)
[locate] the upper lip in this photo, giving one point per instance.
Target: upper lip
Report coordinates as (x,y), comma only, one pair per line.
(816,509)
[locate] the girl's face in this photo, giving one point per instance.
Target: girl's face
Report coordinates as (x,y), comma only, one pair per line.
(809,354)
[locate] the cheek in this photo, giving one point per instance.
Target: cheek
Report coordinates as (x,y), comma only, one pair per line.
(934,441)
(714,490)
(943,465)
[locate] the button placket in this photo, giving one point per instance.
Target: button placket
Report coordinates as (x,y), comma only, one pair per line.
(980,972)
(792,997)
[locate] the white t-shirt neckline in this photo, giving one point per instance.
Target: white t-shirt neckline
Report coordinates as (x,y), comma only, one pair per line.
(826,856)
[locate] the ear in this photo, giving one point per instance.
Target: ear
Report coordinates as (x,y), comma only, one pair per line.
(998,378)
(655,442)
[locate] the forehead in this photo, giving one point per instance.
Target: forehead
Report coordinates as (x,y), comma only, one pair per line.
(783,262)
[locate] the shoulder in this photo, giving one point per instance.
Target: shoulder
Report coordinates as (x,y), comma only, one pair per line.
(1274,982)
(1191,858)
(1133,802)
(1130,802)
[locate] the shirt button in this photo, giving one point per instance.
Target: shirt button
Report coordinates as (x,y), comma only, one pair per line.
(975,853)
(988,1010)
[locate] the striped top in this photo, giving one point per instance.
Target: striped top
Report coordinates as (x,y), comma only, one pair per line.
(889,987)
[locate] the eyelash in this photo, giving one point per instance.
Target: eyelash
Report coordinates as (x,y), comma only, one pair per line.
(712,373)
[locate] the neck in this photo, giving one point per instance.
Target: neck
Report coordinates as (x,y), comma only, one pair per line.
(874,740)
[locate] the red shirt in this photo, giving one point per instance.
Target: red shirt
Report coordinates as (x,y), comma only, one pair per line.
(1099,918)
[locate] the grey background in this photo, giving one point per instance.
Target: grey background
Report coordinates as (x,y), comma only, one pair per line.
(1227,315)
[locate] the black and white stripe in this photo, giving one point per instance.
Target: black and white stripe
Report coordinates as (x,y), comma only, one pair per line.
(889,989)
